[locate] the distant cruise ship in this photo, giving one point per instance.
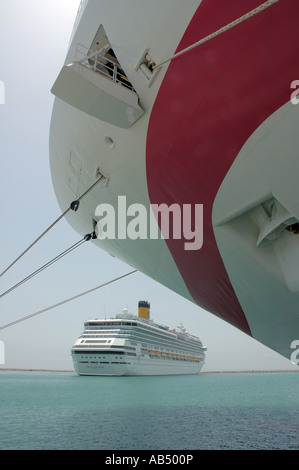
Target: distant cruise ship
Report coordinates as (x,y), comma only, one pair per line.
(131,345)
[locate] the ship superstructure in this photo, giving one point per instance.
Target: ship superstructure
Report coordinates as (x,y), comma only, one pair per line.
(136,345)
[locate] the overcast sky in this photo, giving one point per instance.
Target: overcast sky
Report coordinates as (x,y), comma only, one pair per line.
(34,36)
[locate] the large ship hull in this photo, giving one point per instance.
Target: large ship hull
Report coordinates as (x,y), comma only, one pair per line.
(219,129)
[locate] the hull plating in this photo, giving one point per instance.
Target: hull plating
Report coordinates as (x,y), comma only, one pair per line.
(219,129)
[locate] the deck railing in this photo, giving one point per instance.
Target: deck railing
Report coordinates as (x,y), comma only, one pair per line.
(100,63)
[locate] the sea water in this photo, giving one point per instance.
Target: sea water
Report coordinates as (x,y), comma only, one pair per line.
(61,411)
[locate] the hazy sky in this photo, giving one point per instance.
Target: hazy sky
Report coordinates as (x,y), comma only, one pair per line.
(34,36)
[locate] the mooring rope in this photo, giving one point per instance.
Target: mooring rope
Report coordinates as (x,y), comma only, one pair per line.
(65,301)
(234,23)
(73,206)
(49,263)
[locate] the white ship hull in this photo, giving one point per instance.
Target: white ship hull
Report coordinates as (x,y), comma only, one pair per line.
(218,128)
(137,366)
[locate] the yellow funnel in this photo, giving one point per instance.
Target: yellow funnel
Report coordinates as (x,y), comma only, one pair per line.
(144,309)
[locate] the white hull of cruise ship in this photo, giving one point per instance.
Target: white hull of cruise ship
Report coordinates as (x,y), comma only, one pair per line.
(216,126)
(144,367)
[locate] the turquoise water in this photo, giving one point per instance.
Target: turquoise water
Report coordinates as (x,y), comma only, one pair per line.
(60,411)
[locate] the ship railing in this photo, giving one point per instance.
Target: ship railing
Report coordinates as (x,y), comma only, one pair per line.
(100,63)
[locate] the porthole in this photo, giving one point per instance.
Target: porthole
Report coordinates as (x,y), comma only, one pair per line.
(109,141)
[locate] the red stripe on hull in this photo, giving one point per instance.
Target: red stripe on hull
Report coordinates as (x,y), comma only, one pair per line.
(210,102)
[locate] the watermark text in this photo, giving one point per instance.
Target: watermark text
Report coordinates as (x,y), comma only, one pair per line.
(295,354)
(2,353)
(2,92)
(134,221)
(295,94)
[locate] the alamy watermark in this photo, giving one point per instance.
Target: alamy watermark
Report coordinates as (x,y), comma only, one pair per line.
(134,221)
(2,92)
(295,94)
(295,354)
(2,353)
